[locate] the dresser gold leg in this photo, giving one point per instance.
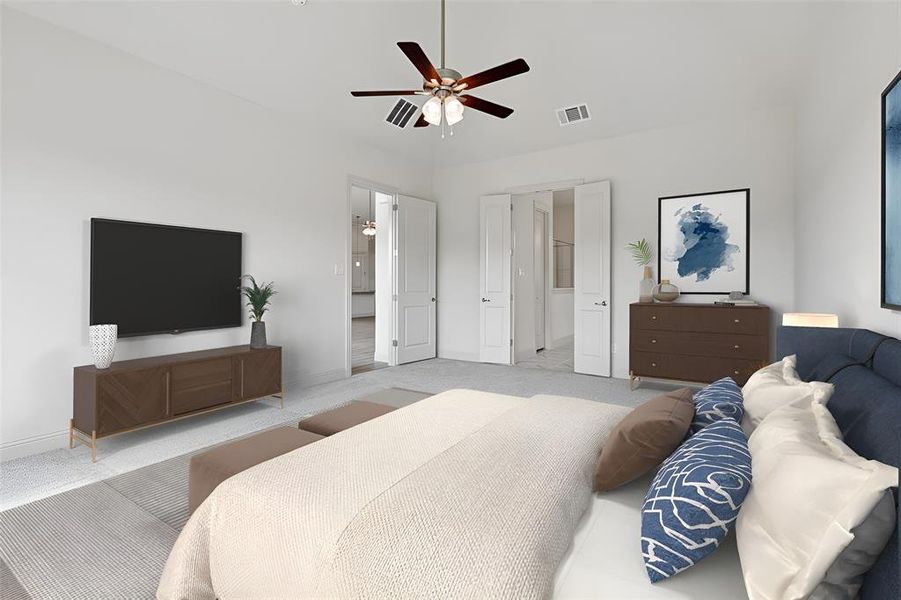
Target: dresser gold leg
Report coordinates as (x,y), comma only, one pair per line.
(71,433)
(93,446)
(634,380)
(281,399)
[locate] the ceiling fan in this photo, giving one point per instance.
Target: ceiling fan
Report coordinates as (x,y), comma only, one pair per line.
(448,89)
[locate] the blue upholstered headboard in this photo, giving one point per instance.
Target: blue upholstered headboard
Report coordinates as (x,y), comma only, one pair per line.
(865,368)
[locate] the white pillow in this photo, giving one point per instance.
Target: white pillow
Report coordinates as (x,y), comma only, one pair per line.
(775,386)
(809,494)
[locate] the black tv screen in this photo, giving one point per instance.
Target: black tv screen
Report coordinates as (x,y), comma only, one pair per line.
(162,279)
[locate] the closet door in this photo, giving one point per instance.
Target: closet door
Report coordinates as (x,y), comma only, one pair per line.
(592,279)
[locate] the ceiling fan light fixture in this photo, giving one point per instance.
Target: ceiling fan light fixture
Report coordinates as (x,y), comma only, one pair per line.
(453,110)
(369,228)
(431,110)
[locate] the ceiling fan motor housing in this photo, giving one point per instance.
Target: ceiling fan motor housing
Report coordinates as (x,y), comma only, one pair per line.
(448,78)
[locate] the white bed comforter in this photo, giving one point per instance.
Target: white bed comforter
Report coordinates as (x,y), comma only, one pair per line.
(465,494)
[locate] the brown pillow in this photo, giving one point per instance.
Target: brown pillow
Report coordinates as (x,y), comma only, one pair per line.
(644,438)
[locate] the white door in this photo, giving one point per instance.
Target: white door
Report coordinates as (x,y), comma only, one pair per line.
(540,249)
(592,279)
(415,308)
(495,291)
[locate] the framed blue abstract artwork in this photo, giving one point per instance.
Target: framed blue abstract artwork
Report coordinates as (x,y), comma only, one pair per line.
(891,195)
(704,242)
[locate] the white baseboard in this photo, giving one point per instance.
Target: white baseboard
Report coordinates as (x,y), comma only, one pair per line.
(455,355)
(305,380)
(34,445)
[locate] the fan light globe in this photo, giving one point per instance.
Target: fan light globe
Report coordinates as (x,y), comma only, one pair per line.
(453,110)
(431,110)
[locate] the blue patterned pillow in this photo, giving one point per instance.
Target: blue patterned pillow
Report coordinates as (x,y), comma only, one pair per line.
(720,400)
(694,499)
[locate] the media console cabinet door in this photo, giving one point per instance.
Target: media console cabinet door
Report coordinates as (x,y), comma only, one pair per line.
(259,373)
(131,398)
(201,384)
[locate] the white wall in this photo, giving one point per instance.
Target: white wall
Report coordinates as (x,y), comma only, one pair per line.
(90,131)
(838,169)
(746,150)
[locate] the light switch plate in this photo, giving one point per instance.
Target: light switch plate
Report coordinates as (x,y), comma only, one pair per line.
(339,269)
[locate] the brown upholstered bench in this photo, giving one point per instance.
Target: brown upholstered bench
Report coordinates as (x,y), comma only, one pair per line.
(344,417)
(213,467)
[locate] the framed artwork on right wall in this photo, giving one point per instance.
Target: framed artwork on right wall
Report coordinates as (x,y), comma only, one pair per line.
(891,195)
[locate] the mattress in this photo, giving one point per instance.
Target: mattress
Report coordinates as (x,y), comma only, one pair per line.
(604,560)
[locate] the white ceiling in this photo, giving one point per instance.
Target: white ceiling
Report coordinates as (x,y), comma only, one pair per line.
(638,65)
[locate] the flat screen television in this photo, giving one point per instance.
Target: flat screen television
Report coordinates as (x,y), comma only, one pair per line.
(150,279)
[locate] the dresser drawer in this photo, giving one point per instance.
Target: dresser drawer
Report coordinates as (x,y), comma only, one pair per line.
(702,369)
(701,344)
(701,319)
(733,320)
(654,318)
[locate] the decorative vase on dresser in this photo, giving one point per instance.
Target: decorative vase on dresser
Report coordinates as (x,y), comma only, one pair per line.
(697,342)
(646,286)
(666,291)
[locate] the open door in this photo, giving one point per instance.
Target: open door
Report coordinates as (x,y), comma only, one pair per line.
(592,279)
(495,301)
(415,306)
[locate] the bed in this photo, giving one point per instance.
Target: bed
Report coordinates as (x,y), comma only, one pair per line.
(471,494)
(604,561)
(865,368)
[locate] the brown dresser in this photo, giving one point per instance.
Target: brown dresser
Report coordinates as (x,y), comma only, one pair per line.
(133,394)
(697,342)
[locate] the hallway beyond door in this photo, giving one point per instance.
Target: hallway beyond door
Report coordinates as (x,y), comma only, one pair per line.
(559,358)
(363,346)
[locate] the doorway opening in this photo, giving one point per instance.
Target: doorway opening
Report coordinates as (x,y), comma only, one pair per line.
(390,278)
(552,245)
(370,280)
(544,278)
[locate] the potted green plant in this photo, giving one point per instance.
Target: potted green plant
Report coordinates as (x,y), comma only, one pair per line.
(258,300)
(642,254)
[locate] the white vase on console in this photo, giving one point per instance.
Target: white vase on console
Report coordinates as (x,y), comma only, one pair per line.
(103,344)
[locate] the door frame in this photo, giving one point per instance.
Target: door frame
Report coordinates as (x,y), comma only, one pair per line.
(354,181)
(551,186)
(546,287)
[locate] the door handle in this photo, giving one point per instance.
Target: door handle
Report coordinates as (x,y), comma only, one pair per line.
(434,300)
(485,300)
(601,303)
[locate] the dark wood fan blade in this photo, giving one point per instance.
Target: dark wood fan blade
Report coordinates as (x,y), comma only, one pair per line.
(510,69)
(495,110)
(419,60)
(421,122)
(385,93)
